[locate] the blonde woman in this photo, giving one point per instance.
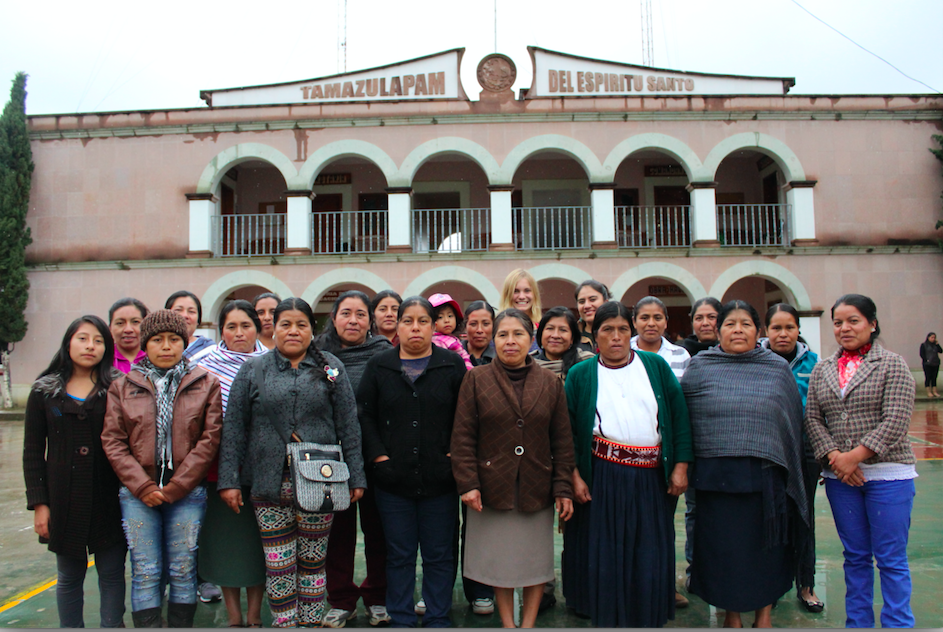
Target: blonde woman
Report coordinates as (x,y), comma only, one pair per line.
(520,291)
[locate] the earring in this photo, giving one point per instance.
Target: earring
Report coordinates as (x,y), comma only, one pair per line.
(873,330)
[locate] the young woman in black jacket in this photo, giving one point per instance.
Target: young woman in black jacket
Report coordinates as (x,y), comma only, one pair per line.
(407,398)
(70,485)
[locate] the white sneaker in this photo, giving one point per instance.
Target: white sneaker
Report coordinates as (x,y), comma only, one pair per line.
(378,615)
(483,606)
(337,618)
(420,607)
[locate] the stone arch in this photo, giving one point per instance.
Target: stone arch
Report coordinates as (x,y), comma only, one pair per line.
(559,271)
(789,282)
(228,158)
(217,292)
(556,142)
(454,273)
(338,276)
(764,143)
(343,149)
(450,144)
(657,142)
(684,279)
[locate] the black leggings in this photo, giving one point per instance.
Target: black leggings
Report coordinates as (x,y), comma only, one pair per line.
(929,375)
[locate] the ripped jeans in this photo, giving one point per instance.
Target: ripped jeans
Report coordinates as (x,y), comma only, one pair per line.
(162,540)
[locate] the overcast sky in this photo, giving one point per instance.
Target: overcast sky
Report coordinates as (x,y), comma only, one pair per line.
(116,56)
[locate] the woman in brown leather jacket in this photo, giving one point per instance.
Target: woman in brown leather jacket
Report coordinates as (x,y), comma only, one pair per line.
(162,429)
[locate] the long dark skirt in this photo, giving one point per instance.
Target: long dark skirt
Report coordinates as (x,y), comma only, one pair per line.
(574,566)
(732,570)
(631,547)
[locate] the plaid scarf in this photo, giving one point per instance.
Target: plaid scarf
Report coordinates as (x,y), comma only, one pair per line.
(165,382)
(848,363)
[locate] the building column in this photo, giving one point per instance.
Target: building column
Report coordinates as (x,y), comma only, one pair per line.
(298,223)
(604,215)
(810,328)
(202,212)
(703,216)
(802,212)
(400,219)
(502,227)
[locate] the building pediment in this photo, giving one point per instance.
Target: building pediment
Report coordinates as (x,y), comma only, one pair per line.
(561,75)
(431,77)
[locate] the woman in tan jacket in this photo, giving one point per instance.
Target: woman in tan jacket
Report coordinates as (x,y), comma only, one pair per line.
(162,429)
(512,457)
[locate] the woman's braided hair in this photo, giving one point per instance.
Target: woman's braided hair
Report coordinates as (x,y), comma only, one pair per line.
(295,303)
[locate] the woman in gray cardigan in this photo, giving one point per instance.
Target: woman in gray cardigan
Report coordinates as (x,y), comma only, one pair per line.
(308,391)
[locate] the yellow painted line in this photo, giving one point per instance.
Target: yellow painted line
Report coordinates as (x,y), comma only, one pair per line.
(32,592)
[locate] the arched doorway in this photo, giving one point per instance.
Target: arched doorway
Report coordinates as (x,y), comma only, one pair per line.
(322,309)
(554,292)
(751,209)
(451,205)
(349,209)
(760,292)
(652,203)
(550,203)
(677,302)
(252,211)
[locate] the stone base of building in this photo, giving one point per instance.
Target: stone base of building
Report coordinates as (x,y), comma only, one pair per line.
(501,247)
(399,250)
(805,243)
(199,254)
(297,252)
(706,243)
(605,245)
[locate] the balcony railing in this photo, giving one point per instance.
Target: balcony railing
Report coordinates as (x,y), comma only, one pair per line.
(249,235)
(348,232)
(552,227)
(451,230)
(752,224)
(653,226)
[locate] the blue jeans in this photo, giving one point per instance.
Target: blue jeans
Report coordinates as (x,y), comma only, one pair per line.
(410,524)
(162,539)
(70,594)
(874,520)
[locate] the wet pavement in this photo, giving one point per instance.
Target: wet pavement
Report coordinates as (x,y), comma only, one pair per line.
(27,585)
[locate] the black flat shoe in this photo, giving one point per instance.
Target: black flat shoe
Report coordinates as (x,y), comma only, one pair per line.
(811,605)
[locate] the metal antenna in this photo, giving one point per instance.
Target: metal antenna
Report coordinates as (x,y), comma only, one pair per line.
(495,25)
(648,54)
(342,35)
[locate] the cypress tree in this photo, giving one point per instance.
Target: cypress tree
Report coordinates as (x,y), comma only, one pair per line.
(16,169)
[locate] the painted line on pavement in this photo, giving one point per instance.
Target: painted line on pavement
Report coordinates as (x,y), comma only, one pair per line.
(32,592)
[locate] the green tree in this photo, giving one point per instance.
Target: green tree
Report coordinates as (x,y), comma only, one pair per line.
(16,169)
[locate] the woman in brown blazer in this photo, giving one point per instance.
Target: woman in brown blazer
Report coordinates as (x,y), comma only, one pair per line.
(512,457)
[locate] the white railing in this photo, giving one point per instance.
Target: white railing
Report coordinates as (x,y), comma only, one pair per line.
(752,224)
(552,227)
(348,232)
(653,226)
(451,229)
(249,235)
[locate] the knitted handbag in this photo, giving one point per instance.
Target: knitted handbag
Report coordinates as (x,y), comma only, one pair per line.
(319,476)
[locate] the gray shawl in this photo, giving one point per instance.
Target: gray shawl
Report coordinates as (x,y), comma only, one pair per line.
(354,358)
(747,404)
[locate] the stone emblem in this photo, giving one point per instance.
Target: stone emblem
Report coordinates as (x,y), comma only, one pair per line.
(496,73)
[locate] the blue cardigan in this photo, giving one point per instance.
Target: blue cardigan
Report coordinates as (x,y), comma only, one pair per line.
(673,423)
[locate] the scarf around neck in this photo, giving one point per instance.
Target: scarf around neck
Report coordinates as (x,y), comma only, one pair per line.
(166,382)
(848,363)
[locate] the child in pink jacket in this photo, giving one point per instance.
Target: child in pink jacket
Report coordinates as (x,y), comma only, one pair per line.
(448,320)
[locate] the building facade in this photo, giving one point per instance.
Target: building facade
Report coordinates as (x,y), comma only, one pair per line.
(652,181)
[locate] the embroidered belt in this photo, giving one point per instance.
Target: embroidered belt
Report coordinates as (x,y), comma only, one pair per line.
(630,455)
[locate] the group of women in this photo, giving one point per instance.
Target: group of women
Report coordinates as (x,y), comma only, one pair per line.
(140,422)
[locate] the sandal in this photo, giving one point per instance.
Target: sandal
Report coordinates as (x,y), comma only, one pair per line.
(811,605)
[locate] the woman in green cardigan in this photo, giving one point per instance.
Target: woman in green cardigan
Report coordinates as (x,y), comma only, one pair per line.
(633,445)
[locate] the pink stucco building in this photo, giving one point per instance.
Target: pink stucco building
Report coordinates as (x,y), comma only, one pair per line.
(651,181)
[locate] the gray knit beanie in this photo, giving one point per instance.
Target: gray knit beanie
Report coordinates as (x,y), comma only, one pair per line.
(157,322)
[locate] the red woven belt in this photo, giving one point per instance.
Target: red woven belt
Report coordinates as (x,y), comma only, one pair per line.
(630,455)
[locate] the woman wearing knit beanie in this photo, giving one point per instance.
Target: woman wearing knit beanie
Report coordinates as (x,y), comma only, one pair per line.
(162,429)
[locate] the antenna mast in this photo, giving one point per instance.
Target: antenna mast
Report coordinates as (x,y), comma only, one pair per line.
(341,35)
(648,55)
